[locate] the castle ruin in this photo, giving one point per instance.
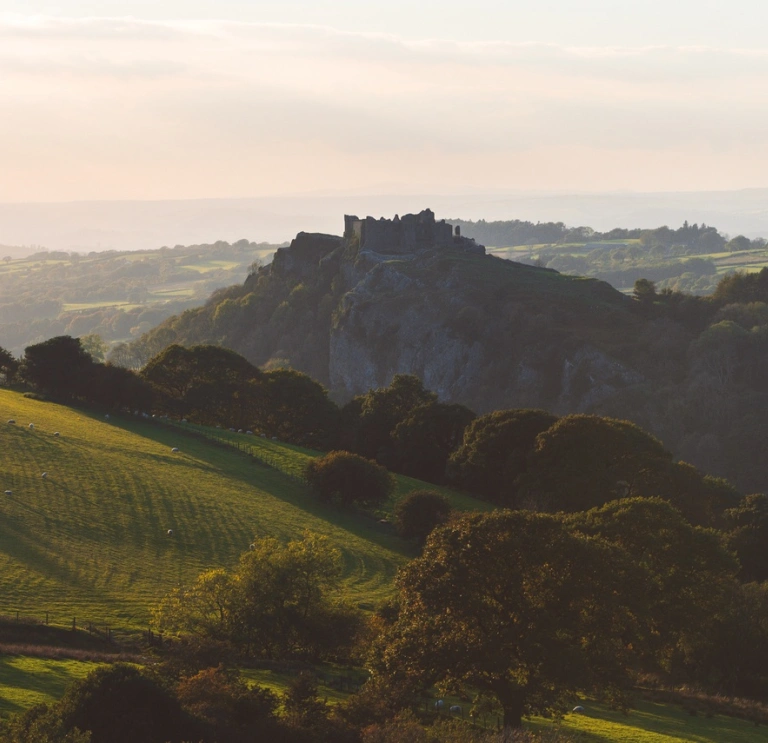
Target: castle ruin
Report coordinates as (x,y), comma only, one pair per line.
(405,235)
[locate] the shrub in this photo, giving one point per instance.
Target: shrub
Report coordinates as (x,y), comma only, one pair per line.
(349,478)
(419,513)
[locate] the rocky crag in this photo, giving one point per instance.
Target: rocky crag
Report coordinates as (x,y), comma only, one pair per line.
(411,295)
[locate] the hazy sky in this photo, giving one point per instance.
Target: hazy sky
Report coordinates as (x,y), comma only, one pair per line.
(197,98)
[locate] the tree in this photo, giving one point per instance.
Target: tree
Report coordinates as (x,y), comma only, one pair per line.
(349,478)
(426,437)
(120,704)
(378,412)
(280,602)
(686,577)
(9,365)
(293,407)
(58,367)
(583,461)
(94,346)
(747,535)
(206,383)
(495,452)
(229,708)
(644,292)
(419,513)
(516,605)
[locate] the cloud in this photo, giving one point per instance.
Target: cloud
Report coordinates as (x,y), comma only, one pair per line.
(116,93)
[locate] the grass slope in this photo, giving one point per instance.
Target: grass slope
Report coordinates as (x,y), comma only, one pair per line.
(89,541)
(652,722)
(25,682)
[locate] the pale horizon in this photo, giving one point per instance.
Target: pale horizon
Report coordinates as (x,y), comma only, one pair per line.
(112,101)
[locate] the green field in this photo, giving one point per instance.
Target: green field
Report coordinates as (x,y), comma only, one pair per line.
(89,540)
(25,682)
(656,723)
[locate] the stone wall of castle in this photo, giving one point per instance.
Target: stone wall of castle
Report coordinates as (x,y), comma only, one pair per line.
(399,236)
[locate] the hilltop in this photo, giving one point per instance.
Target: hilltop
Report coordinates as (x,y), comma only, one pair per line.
(410,296)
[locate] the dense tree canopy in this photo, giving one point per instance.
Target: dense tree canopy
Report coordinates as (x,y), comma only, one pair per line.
(208,384)
(426,437)
(370,419)
(495,452)
(514,604)
(58,367)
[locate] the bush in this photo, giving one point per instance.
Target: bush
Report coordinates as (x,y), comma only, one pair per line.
(349,478)
(419,513)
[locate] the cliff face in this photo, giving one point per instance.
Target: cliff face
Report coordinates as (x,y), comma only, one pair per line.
(487,346)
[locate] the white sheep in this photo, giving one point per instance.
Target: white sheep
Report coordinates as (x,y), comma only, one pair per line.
(263,435)
(169,532)
(175,450)
(55,433)
(11,421)
(578,709)
(274,438)
(31,425)
(44,475)
(9,492)
(106,416)
(250,433)
(456,709)
(251,546)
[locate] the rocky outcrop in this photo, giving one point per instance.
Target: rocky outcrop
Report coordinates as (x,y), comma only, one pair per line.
(306,250)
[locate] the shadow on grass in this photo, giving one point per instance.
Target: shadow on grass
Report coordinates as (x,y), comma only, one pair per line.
(207,455)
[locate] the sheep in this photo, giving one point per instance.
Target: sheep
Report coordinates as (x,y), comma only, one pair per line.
(9,492)
(274,438)
(232,430)
(169,532)
(263,435)
(251,546)
(183,420)
(456,709)
(31,425)
(106,416)
(44,475)
(439,704)
(239,430)
(249,433)
(175,450)
(578,709)
(55,433)
(11,421)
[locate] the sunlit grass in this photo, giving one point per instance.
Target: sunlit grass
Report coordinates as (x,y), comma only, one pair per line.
(25,681)
(89,541)
(652,722)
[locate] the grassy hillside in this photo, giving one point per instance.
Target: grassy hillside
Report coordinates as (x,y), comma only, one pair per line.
(652,722)
(89,540)
(25,681)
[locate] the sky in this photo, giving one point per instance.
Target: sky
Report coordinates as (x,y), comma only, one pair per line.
(227,99)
